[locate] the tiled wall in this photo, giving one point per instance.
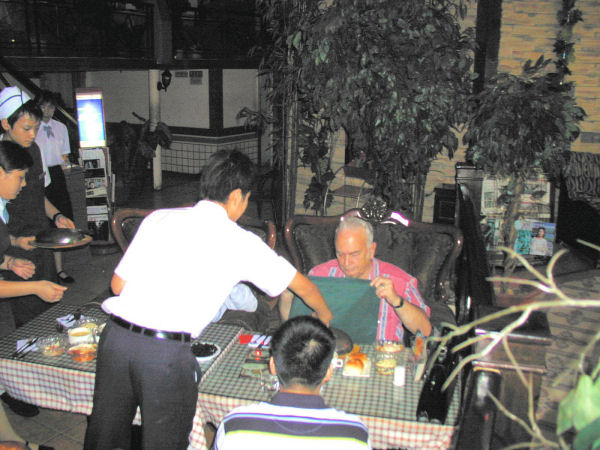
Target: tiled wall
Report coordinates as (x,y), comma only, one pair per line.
(188,154)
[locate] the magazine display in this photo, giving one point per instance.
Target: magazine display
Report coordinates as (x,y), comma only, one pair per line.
(534,213)
(535,238)
(96,163)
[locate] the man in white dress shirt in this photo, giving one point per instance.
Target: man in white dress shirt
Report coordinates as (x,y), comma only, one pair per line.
(173,279)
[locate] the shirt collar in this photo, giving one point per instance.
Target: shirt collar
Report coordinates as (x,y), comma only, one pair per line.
(298,400)
(3,203)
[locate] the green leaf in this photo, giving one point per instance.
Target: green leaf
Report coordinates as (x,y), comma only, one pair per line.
(564,422)
(586,403)
(296,40)
(589,437)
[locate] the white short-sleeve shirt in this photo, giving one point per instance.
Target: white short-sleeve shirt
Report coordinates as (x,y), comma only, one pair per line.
(183,263)
(53,140)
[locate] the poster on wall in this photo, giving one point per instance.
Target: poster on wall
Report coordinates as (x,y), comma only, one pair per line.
(535,208)
(535,199)
(534,237)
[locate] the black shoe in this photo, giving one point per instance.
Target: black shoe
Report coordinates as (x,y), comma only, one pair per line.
(19,407)
(64,277)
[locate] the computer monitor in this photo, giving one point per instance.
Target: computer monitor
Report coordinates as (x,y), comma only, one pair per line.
(90,118)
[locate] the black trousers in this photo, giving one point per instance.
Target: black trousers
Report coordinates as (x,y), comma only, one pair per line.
(58,193)
(159,376)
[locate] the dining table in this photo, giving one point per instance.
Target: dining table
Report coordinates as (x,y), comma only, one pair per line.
(59,382)
(389,411)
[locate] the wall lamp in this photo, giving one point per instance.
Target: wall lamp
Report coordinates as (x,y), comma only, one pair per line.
(166,80)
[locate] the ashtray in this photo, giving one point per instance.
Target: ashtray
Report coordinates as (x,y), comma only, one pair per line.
(61,238)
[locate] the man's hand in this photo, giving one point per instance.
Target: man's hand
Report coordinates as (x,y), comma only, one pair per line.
(310,294)
(63,221)
(24,242)
(22,267)
(324,316)
(384,289)
(48,291)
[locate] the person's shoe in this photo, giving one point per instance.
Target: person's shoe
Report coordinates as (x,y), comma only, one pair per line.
(19,407)
(64,277)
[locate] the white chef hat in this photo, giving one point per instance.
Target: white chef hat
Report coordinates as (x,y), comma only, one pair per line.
(11,99)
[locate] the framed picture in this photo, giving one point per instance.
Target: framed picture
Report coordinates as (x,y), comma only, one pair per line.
(535,238)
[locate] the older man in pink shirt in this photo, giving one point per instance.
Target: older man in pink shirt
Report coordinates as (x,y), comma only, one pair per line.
(400,300)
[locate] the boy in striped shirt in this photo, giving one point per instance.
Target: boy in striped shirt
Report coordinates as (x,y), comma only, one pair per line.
(296,417)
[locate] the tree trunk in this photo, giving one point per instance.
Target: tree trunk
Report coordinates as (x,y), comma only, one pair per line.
(509,232)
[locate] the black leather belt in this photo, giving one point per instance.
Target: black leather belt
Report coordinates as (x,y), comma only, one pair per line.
(182,337)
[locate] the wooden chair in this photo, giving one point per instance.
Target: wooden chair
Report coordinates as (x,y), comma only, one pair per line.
(426,251)
(125,222)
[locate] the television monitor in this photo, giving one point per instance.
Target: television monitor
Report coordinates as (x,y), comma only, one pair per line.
(90,118)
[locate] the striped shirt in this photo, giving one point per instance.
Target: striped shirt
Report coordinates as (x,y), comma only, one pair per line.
(291,421)
(389,325)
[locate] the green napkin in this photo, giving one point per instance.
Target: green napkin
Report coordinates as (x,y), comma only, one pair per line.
(353,303)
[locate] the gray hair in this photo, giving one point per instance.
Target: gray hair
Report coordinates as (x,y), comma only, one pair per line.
(352,223)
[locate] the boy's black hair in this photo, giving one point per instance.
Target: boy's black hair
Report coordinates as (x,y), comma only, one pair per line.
(226,171)
(13,157)
(27,108)
(302,348)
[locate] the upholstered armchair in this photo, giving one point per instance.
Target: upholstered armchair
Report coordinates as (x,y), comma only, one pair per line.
(126,221)
(426,251)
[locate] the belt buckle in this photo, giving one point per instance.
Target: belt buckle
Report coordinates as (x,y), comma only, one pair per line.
(160,335)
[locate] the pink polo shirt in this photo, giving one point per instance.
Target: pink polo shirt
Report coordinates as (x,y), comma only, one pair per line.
(389,325)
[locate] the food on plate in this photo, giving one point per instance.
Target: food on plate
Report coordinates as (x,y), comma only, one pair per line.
(354,367)
(360,356)
(355,350)
(83,352)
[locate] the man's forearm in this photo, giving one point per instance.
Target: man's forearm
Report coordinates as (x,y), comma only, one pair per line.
(310,294)
(414,318)
(51,210)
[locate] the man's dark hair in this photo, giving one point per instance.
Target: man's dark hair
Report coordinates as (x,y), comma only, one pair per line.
(46,96)
(226,171)
(13,157)
(27,108)
(302,348)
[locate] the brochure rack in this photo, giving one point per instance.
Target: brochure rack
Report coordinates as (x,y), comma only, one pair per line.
(98,192)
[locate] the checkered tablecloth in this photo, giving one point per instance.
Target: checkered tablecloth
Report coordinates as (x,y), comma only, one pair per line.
(60,383)
(387,410)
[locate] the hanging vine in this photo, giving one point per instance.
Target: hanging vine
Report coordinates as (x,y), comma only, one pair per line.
(568,16)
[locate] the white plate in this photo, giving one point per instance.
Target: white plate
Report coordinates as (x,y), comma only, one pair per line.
(202,359)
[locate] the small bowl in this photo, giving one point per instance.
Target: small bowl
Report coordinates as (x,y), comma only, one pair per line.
(83,352)
(389,346)
(80,335)
(52,345)
(87,322)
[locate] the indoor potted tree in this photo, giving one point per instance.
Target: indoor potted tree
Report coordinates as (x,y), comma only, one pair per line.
(395,75)
(520,126)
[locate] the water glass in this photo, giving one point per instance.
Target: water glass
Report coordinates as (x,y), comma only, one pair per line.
(269,382)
